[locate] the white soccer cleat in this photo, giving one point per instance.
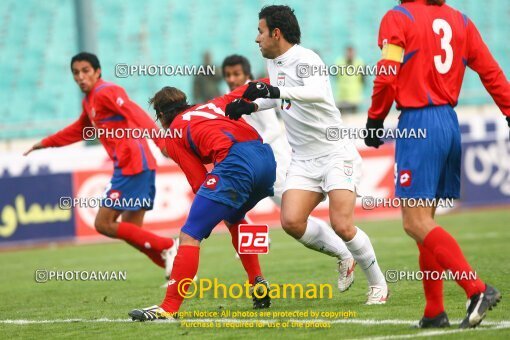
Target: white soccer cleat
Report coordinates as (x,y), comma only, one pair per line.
(345,273)
(169,256)
(377,295)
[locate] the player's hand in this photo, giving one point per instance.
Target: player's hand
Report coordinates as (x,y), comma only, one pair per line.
(260,90)
(373,126)
(36,146)
(239,107)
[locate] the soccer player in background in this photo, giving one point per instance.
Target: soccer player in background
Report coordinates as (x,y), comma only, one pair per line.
(237,72)
(107,106)
(430,44)
(319,166)
(243,174)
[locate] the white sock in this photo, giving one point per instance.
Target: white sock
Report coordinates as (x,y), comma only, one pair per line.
(363,253)
(320,236)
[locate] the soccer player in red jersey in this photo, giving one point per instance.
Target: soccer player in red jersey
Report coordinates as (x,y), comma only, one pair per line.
(430,44)
(244,173)
(131,192)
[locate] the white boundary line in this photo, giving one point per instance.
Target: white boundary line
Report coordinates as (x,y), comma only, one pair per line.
(368,322)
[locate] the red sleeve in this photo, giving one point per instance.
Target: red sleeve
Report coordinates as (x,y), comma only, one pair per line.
(237,93)
(482,62)
(117,100)
(70,134)
(189,163)
(391,31)
(384,91)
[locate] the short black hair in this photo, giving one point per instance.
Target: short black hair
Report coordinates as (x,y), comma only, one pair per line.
(236,59)
(86,56)
(282,17)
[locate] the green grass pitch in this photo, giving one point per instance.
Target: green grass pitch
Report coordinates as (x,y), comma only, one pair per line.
(99,309)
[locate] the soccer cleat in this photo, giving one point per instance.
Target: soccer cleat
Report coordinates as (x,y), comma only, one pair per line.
(478,305)
(261,299)
(169,256)
(440,321)
(377,295)
(149,314)
(346,273)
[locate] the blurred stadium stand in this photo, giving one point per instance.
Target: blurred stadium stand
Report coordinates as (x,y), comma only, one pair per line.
(38,38)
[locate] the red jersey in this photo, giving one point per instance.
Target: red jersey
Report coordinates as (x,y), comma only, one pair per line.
(207,136)
(439,42)
(107,106)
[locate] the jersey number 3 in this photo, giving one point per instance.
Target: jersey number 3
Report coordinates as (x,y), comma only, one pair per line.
(441,26)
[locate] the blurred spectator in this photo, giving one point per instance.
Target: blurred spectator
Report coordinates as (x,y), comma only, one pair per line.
(206,87)
(349,87)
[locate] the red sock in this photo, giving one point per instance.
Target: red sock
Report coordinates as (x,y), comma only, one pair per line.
(449,256)
(433,288)
(250,261)
(185,267)
(146,242)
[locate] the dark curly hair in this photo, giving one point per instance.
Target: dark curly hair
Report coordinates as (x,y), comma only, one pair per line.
(168,103)
(282,17)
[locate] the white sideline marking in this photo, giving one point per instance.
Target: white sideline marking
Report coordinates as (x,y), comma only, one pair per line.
(370,322)
(502,325)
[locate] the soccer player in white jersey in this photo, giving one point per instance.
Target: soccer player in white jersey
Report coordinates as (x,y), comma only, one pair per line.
(236,71)
(319,166)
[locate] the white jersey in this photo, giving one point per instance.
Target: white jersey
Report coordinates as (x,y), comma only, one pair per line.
(306,103)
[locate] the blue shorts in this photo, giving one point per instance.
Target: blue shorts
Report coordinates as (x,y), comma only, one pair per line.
(232,188)
(429,167)
(247,173)
(133,192)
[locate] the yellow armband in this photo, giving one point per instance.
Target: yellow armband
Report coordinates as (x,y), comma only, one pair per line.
(393,52)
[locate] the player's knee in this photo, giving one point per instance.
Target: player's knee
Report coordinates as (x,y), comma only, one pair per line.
(293,225)
(344,228)
(105,227)
(415,228)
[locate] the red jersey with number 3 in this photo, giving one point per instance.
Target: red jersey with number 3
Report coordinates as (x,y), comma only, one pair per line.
(207,136)
(438,42)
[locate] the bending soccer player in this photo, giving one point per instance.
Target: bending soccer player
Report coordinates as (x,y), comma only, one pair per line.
(319,166)
(237,72)
(430,44)
(243,174)
(106,106)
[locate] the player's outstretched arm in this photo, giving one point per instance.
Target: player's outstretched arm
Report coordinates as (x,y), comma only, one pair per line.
(482,62)
(70,134)
(34,147)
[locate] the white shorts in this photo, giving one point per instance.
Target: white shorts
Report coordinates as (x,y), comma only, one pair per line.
(339,170)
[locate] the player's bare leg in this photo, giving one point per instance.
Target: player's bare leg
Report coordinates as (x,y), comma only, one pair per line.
(420,225)
(130,231)
(341,211)
(314,233)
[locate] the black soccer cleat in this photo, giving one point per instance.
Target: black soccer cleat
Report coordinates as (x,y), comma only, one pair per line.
(149,314)
(440,321)
(260,295)
(478,305)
